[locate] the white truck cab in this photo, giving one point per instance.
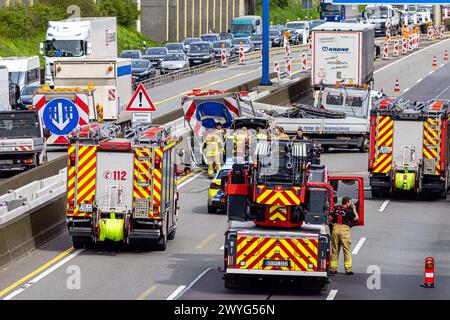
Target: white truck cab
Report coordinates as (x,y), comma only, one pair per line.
(380,16)
(302,28)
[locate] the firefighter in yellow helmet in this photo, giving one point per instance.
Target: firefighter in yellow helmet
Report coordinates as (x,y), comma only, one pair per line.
(213,148)
(343,217)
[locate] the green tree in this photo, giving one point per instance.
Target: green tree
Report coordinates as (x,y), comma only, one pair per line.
(126,11)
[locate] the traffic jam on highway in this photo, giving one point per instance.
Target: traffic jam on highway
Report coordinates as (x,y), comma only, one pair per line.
(307,161)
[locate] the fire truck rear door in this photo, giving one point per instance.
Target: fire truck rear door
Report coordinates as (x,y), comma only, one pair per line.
(115,169)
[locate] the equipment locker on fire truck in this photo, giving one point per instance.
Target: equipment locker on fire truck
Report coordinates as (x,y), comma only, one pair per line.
(122,187)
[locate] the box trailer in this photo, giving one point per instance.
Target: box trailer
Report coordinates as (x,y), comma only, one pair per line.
(111,78)
(342,53)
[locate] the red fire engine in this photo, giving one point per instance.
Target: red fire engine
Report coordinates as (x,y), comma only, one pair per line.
(279,206)
(410,147)
(121,187)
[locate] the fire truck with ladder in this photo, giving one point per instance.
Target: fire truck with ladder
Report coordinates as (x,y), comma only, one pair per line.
(410,147)
(278,203)
(121,185)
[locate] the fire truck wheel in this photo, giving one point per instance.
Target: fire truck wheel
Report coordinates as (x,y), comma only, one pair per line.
(162,243)
(212,209)
(443,194)
(171,235)
(82,242)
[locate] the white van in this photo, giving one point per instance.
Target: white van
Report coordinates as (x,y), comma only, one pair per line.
(23,71)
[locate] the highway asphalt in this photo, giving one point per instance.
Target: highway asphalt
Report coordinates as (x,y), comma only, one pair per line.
(398,235)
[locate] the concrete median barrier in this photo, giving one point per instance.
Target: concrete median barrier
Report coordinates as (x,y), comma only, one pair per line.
(41,223)
(287,93)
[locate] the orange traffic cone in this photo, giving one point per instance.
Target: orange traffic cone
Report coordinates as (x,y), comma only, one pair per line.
(446,56)
(397,86)
(434,65)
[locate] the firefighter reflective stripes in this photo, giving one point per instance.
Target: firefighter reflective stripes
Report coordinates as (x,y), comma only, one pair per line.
(282,198)
(277,213)
(299,150)
(81,178)
(142,172)
(431,141)
(70,181)
(262,149)
(384,142)
(288,254)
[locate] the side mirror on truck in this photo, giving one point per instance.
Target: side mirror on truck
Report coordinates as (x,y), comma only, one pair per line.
(88,48)
(352,187)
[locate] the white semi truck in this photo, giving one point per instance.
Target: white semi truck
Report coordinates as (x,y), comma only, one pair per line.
(94,38)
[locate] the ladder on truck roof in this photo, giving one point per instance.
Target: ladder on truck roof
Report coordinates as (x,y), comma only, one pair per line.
(95,132)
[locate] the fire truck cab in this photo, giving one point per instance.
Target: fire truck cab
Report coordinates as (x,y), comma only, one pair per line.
(122,187)
(278,204)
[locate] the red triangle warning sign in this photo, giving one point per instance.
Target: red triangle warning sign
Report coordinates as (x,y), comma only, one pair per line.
(140,101)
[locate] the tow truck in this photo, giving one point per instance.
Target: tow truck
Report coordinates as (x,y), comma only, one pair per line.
(278,203)
(121,185)
(410,148)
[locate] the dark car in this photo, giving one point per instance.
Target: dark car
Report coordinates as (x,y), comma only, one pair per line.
(156,55)
(188,41)
(142,69)
(226,36)
(131,54)
(227,45)
(276,38)
(200,53)
(211,37)
(257,40)
(26,96)
(175,47)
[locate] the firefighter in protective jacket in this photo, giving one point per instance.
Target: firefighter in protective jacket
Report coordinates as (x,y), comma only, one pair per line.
(343,217)
(213,149)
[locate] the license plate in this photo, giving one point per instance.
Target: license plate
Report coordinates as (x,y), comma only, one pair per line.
(197,61)
(277,263)
(6,162)
(85,207)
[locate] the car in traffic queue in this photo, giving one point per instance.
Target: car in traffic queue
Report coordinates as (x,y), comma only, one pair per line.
(175,47)
(211,37)
(156,55)
(200,53)
(276,37)
(226,36)
(174,62)
(245,43)
(257,41)
(293,36)
(131,54)
(186,42)
(300,29)
(225,44)
(215,193)
(141,69)
(25,100)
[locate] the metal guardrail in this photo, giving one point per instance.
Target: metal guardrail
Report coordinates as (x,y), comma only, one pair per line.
(19,201)
(176,75)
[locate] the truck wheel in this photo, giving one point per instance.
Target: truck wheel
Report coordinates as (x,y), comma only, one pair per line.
(376,193)
(171,235)
(365,146)
(82,242)
(162,243)
(443,194)
(212,209)
(230,283)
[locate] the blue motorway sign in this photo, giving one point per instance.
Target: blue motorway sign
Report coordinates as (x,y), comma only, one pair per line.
(61,116)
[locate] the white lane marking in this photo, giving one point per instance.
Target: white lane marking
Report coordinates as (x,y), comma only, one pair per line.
(431,72)
(406,90)
(43,274)
(442,92)
(176,292)
(191,284)
(358,245)
(419,80)
(384,205)
(222,247)
(332,294)
(406,57)
(181,185)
